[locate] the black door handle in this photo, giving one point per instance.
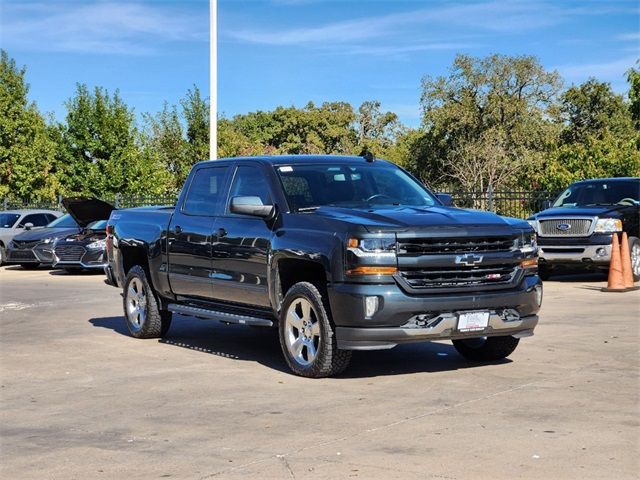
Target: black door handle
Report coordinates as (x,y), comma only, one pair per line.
(178,229)
(221,233)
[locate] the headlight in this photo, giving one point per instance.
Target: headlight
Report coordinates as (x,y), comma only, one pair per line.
(100,244)
(534,224)
(608,225)
(379,247)
(527,242)
(371,256)
(47,240)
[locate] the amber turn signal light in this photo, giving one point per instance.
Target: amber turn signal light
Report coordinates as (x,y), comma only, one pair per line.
(529,263)
(372,271)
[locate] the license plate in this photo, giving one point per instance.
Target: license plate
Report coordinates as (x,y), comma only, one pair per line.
(473,321)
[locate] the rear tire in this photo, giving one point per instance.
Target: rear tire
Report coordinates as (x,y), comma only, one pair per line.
(142,310)
(307,336)
(487,348)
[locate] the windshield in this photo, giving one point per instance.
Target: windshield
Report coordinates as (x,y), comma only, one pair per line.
(98,225)
(7,220)
(600,193)
(65,221)
(351,186)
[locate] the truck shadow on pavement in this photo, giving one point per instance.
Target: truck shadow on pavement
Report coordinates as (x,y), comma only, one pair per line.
(261,345)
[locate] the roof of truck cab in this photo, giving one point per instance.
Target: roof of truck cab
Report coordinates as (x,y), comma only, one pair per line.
(593,180)
(295,159)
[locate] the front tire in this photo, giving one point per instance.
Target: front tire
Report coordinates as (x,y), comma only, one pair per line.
(486,349)
(142,310)
(307,336)
(634,250)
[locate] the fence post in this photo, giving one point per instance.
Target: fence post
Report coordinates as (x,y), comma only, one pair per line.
(5,203)
(490,197)
(59,202)
(117,200)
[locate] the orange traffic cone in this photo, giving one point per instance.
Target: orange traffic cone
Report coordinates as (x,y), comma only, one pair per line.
(625,257)
(616,282)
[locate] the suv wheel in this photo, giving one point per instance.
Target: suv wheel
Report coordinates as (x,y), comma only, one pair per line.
(634,249)
(485,349)
(307,337)
(142,310)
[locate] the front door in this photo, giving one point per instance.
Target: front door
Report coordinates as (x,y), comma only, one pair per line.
(243,244)
(191,233)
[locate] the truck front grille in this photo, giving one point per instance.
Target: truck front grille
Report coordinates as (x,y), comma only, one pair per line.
(565,227)
(447,246)
(69,253)
(459,276)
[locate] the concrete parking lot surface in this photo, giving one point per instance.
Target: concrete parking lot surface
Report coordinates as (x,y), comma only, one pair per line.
(81,399)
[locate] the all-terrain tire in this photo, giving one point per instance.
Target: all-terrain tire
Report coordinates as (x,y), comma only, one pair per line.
(488,349)
(328,359)
(142,311)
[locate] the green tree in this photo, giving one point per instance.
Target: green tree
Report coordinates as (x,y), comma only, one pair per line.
(633,76)
(485,123)
(592,109)
(377,131)
(195,110)
(27,152)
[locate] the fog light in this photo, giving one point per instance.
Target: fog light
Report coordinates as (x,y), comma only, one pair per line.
(601,252)
(538,290)
(370,306)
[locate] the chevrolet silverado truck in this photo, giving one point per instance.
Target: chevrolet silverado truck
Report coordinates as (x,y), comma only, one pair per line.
(337,253)
(576,231)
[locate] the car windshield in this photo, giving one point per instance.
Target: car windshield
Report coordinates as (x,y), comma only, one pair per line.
(65,221)
(98,225)
(7,220)
(600,193)
(308,187)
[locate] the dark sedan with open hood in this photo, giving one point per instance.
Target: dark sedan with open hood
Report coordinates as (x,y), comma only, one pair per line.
(33,248)
(84,249)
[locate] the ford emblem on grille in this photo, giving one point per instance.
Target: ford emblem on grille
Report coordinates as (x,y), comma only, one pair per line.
(563,226)
(469,259)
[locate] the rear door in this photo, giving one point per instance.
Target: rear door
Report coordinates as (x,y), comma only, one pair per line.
(191,232)
(241,249)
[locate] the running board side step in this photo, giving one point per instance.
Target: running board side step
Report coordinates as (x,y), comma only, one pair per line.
(217,315)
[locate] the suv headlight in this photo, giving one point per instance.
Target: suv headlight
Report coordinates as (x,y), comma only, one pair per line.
(97,245)
(608,225)
(527,242)
(371,256)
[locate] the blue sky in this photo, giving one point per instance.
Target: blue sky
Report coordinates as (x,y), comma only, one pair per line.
(287,52)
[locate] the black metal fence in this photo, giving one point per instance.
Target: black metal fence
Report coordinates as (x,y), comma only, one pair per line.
(519,204)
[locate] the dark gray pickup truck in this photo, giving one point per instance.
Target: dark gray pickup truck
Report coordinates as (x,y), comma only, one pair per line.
(338,253)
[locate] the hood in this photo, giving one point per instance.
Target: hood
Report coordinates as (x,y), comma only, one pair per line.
(586,211)
(87,210)
(401,218)
(42,233)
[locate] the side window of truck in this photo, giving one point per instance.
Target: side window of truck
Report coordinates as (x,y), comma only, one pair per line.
(205,191)
(250,182)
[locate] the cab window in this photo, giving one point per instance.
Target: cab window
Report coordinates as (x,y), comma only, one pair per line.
(205,191)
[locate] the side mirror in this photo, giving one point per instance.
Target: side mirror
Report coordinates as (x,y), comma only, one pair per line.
(445,198)
(252,206)
(546,204)
(28,226)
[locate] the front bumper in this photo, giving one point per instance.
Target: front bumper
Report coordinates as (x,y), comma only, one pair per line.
(398,318)
(36,255)
(573,254)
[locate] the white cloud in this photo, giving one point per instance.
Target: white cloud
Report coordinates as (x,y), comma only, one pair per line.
(100,27)
(612,71)
(634,36)
(495,16)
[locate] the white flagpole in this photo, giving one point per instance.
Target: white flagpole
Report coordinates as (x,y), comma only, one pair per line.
(213,79)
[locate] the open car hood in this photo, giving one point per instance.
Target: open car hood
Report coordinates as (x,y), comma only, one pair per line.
(87,210)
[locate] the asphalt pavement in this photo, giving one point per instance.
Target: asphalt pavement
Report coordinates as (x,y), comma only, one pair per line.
(81,399)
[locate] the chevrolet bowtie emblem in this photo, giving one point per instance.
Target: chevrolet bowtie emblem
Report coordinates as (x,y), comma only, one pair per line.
(468,259)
